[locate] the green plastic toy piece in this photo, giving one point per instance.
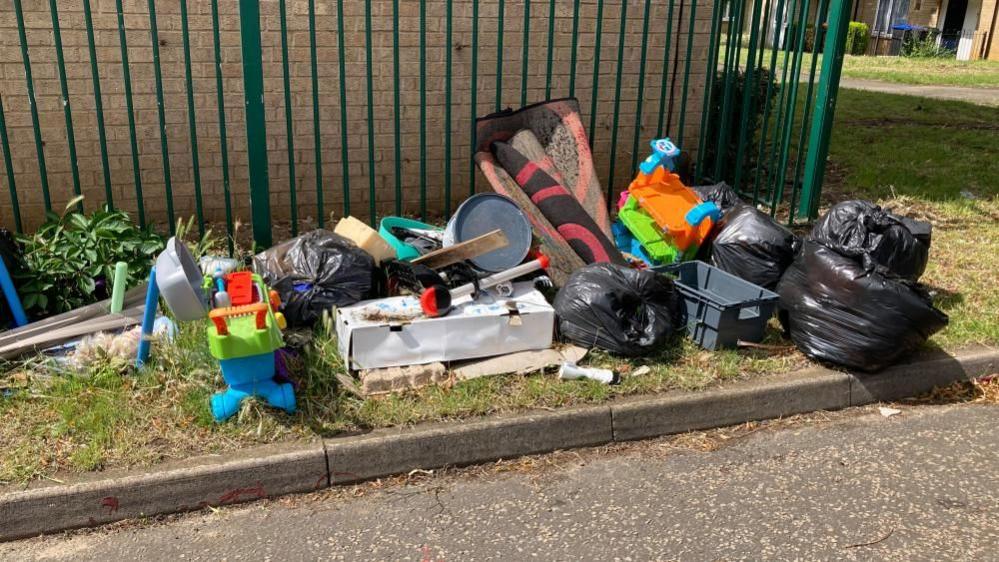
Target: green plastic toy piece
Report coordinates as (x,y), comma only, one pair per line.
(119,281)
(243,338)
(648,233)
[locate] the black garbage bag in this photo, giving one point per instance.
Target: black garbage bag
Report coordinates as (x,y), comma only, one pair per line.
(875,238)
(314,272)
(837,311)
(625,311)
(720,194)
(753,246)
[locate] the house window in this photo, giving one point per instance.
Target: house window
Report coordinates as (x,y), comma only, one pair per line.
(890,13)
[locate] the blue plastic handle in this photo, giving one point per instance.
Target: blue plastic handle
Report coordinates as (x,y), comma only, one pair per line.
(697,214)
(148,319)
(16,310)
(663,153)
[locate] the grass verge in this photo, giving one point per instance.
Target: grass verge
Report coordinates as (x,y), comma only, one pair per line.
(916,71)
(924,71)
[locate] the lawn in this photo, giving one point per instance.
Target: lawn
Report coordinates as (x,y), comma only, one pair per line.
(917,155)
(924,71)
(929,71)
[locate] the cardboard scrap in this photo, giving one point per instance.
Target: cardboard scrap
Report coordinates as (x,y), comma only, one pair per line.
(520,363)
(366,238)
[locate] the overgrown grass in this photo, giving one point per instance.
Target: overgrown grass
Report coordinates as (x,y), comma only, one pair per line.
(916,155)
(924,71)
(918,71)
(58,420)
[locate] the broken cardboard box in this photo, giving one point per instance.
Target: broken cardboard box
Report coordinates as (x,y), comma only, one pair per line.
(394,331)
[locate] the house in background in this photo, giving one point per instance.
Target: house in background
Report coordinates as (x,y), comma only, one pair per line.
(965,26)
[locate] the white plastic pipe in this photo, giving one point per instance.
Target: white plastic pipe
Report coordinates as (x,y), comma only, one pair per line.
(570,371)
(501,277)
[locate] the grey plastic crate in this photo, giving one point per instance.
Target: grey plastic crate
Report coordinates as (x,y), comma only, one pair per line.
(722,309)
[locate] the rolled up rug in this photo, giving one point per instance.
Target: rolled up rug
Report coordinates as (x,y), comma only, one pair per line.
(559,206)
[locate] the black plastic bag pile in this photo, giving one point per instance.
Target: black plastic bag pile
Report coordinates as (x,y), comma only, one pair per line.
(851,296)
(314,272)
(748,243)
(625,311)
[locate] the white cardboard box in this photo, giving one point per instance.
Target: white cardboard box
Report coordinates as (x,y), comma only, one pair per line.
(393,332)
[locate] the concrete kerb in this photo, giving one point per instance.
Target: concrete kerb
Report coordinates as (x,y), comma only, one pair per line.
(55,508)
(305,468)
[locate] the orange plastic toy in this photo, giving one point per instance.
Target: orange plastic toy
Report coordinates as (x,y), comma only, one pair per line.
(675,207)
(240,288)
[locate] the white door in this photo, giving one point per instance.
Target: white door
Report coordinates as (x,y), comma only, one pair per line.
(968,30)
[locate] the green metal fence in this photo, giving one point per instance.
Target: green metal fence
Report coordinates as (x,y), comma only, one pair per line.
(765,110)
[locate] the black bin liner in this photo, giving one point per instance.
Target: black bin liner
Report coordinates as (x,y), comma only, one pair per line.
(720,194)
(876,238)
(624,311)
(838,311)
(314,272)
(753,246)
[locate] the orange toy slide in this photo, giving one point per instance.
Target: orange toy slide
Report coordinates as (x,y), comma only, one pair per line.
(674,207)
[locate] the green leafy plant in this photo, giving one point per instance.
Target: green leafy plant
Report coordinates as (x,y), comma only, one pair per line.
(763,80)
(69,261)
(923,45)
(858,35)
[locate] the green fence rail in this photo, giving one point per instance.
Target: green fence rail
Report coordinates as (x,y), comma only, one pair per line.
(765,112)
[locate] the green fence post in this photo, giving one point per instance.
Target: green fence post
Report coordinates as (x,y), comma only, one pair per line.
(551,47)
(66,109)
(664,75)
(256,126)
(372,203)
(223,138)
(192,120)
(133,143)
(423,109)
(9,167)
(164,145)
(317,143)
(473,91)
(288,120)
(574,50)
(525,53)
(39,145)
(809,98)
(396,118)
(591,131)
(825,108)
(621,35)
(98,104)
(344,146)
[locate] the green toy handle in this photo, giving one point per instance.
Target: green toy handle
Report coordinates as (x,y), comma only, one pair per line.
(120,280)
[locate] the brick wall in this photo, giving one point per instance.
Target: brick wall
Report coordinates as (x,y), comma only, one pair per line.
(46,81)
(923,12)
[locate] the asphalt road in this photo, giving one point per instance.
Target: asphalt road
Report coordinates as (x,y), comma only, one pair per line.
(851,485)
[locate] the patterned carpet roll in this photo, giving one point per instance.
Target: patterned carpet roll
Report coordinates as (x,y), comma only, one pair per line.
(558,205)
